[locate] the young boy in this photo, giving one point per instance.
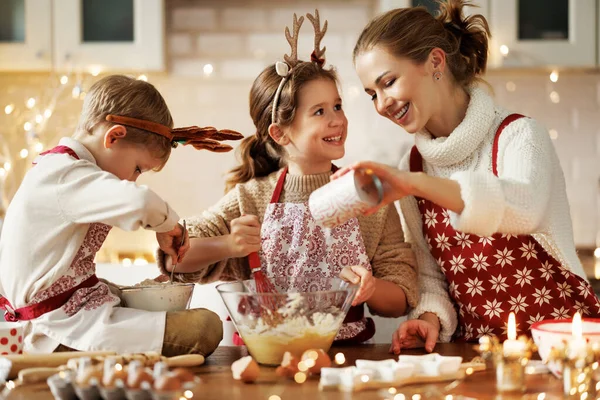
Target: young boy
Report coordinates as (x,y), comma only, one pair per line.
(63,211)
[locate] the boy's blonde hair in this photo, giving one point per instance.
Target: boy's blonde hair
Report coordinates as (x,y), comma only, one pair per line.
(128,97)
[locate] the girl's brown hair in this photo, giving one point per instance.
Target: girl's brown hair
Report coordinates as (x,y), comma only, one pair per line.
(128,97)
(413,32)
(260,155)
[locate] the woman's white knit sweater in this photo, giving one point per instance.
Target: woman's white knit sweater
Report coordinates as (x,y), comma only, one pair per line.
(527,197)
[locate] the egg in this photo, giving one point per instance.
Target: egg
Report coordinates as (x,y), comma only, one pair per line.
(167,383)
(245,369)
(118,373)
(288,367)
(184,375)
(315,359)
(135,378)
(85,377)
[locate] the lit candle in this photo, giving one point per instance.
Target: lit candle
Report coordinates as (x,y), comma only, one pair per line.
(513,347)
(577,346)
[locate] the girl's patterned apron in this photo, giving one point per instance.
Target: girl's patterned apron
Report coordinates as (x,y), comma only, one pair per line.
(489,277)
(294,245)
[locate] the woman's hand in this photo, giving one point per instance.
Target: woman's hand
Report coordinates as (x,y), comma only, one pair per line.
(396,184)
(416,333)
(358,274)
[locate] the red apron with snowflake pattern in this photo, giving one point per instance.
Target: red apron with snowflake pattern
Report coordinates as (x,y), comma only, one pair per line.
(489,277)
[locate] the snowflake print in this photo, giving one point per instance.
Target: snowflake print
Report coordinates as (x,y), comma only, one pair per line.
(542,296)
(480,262)
(504,257)
(505,328)
(442,241)
(472,310)
(560,314)
(430,216)
(446,217)
(484,330)
(457,265)
(468,331)
(474,286)
(546,270)
(454,289)
(486,241)
(523,277)
(440,262)
(499,283)
(534,319)
(493,308)
(518,303)
(463,239)
(565,290)
(584,289)
(581,307)
(508,236)
(528,250)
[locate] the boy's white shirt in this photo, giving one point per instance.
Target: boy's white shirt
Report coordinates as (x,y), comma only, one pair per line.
(527,197)
(44,230)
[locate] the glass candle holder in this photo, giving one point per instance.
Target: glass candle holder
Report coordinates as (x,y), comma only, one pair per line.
(576,380)
(510,375)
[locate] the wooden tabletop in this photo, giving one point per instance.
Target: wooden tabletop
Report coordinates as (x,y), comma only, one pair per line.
(219,384)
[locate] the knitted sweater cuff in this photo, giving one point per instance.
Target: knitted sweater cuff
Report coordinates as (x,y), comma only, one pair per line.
(484,203)
(443,309)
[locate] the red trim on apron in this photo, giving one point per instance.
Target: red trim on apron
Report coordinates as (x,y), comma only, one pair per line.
(489,277)
(36,310)
(60,150)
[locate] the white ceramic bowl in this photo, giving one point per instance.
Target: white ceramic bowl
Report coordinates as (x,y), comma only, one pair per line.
(160,297)
(11,338)
(552,332)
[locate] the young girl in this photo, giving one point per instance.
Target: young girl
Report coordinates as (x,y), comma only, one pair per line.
(300,129)
(65,208)
(482,191)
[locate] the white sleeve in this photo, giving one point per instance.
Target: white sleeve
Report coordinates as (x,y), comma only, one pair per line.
(515,201)
(87,194)
(433,287)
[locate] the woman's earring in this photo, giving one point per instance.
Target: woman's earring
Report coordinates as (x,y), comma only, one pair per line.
(437,75)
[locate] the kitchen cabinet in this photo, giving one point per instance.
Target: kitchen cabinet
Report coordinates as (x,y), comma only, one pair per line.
(540,33)
(90,35)
(25,35)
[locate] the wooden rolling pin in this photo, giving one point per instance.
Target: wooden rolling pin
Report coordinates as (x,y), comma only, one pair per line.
(40,374)
(25,361)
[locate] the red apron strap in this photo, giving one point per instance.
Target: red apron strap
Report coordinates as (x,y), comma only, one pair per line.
(416,161)
(503,124)
(50,304)
(279,186)
(60,150)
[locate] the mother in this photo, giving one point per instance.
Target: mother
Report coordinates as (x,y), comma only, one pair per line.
(482,192)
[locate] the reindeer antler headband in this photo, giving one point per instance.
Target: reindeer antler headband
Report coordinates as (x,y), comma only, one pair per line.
(284,69)
(207,138)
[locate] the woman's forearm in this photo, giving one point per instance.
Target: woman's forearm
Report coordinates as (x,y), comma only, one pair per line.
(443,192)
(203,252)
(389,299)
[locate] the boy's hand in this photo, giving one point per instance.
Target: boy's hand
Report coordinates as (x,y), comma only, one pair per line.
(358,274)
(169,242)
(244,237)
(416,333)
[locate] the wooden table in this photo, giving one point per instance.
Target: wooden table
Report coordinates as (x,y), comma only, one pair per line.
(219,384)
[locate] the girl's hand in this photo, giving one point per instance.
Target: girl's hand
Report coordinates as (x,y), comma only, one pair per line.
(169,242)
(415,333)
(244,237)
(358,274)
(396,184)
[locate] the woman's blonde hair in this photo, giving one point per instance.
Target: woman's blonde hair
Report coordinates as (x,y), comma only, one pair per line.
(413,32)
(128,97)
